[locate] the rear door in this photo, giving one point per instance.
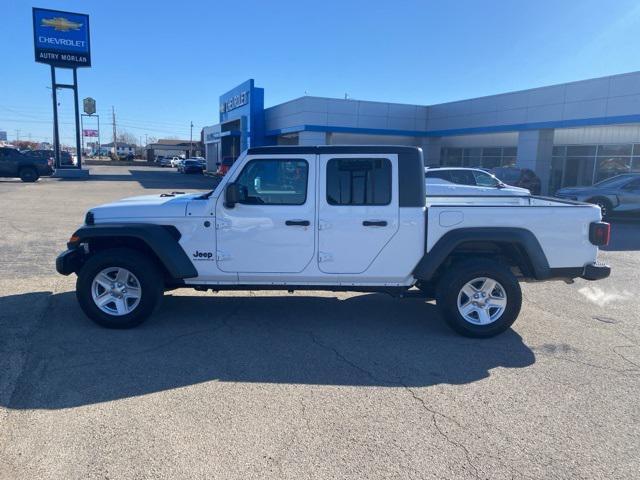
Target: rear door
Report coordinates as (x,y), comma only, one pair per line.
(358,210)
(9,162)
(273,229)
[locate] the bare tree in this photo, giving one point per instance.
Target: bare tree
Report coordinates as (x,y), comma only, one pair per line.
(127,137)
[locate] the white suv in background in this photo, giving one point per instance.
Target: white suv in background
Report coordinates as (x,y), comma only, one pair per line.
(467,181)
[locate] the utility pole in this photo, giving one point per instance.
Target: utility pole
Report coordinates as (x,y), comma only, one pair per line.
(191,141)
(115,145)
(17,135)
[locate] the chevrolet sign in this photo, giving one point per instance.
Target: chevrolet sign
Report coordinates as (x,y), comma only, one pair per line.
(61,39)
(234,102)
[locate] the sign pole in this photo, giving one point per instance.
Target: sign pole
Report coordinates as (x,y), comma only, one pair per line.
(82,129)
(56,134)
(77,110)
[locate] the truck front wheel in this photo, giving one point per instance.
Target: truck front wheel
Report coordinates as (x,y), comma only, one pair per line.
(119,288)
(479,298)
(29,174)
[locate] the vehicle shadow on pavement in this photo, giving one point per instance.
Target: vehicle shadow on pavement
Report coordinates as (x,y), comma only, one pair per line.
(625,235)
(365,340)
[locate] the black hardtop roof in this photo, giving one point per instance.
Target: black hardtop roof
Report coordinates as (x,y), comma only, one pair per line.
(320,149)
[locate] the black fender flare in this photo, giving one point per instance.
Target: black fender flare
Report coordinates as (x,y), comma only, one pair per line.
(161,239)
(521,237)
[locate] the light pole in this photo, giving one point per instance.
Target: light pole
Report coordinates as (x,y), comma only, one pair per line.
(191,141)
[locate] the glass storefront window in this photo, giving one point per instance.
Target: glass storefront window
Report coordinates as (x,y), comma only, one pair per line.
(581,150)
(555,179)
(560,151)
(472,161)
(635,165)
(452,157)
(509,161)
(490,162)
(578,171)
(611,166)
(614,150)
(491,152)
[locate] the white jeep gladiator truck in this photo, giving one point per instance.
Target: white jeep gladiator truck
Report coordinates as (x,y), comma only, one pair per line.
(336,218)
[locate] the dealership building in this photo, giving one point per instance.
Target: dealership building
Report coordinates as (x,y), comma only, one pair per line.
(570,134)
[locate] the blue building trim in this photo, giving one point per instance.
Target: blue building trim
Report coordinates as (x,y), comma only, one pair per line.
(516,127)
(334,129)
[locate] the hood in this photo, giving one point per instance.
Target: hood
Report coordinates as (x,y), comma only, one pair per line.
(515,190)
(145,206)
(573,190)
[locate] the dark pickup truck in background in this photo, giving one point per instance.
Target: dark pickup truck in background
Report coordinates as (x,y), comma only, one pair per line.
(27,167)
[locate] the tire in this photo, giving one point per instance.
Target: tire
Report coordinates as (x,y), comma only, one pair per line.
(145,278)
(28,174)
(604,204)
(468,276)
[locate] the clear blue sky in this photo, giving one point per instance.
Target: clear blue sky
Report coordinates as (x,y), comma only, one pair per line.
(163,64)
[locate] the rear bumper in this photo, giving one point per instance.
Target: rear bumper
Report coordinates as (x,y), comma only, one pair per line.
(592,271)
(69,261)
(596,271)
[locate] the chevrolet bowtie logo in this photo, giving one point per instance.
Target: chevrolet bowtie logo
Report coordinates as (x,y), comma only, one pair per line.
(61,24)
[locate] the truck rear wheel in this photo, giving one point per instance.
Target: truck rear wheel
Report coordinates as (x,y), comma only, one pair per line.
(479,298)
(119,288)
(29,174)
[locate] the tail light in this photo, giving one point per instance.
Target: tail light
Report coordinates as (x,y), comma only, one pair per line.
(600,233)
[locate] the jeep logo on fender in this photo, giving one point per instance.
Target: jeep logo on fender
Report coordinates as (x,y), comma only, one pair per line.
(202,255)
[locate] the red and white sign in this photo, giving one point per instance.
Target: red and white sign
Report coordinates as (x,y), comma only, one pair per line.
(89,133)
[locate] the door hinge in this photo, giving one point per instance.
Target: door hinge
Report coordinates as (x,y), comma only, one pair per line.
(221,256)
(324,257)
(322,225)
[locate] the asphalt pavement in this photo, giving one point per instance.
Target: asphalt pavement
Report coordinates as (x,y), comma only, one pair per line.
(316,385)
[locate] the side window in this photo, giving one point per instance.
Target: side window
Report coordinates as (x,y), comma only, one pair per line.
(274,182)
(359,181)
(462,177)
(441,174)
(485,180)
(633,185)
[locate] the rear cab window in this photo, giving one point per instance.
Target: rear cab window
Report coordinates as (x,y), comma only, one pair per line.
(359,181)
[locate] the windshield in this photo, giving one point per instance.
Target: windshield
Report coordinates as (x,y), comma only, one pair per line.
(613,180)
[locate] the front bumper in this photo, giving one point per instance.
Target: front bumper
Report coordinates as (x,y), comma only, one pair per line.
(596,271)
(69,261)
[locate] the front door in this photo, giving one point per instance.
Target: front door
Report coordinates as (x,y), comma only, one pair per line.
(272,230)
(630,196)
(358,210)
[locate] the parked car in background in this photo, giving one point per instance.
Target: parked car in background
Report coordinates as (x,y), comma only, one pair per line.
(466,181)
(519,177)
(190,166)
(614,195)
(175,161)
(29,168)
(201,160)
(165,162)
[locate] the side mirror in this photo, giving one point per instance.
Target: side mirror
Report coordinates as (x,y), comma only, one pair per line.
(233,194)
(501,185)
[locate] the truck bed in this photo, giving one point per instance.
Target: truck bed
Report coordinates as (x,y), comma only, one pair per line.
(560,226)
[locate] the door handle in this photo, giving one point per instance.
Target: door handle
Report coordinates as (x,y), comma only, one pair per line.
(300,223)
(375,223)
